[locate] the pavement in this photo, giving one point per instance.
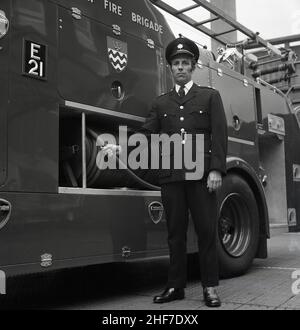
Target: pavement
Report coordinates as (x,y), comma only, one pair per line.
(271,284)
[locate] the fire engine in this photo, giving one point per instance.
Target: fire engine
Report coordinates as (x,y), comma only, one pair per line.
(71,70)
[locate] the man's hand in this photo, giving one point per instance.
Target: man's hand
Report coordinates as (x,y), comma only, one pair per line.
(111,150)
(214,181)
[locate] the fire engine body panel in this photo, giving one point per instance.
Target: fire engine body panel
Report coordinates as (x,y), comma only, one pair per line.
(69,68)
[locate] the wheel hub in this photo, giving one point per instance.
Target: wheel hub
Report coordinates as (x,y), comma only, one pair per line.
(235,225)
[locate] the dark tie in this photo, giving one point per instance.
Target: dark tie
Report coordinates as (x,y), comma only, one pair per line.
(181,92)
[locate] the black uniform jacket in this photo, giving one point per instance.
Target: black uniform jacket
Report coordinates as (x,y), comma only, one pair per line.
(201,111)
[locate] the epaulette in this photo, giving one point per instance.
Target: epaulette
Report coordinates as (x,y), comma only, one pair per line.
(207,87)
(163,94)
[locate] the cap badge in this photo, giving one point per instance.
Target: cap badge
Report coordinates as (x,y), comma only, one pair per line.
(180,46)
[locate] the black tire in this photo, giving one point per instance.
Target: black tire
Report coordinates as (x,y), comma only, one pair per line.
(238,228)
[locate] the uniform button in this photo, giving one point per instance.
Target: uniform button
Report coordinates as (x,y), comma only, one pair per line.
(181,107)
(201,112)
(181,118)
(165,115)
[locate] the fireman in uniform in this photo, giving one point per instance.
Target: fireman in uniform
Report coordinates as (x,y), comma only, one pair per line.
(190,109)
(194,110)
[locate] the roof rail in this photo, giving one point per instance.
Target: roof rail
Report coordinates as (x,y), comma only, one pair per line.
(216,14)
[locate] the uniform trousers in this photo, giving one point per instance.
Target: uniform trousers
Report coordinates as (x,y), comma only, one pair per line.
(178,198)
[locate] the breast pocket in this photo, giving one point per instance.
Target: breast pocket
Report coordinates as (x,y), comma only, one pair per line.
(167,121)
(200,118)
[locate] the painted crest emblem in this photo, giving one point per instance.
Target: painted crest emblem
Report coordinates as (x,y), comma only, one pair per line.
(156,210)
(116,29)
(117,53)
(46,260)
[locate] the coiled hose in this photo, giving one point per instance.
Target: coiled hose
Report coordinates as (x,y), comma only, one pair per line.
(94,173)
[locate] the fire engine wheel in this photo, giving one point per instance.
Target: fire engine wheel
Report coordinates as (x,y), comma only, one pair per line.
(238,229)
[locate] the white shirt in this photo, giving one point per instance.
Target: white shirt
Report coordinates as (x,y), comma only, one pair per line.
(187,87)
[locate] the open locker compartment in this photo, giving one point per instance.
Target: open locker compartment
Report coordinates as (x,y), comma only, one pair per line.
(82,134)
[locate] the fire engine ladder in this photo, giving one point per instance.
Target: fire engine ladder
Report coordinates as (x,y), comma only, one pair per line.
(216,15)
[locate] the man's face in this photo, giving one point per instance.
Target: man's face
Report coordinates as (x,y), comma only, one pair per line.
(182,69)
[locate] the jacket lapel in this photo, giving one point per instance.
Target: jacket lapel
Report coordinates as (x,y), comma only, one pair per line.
(175,97)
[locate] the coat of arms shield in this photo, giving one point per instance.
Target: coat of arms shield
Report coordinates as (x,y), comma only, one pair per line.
(117,53)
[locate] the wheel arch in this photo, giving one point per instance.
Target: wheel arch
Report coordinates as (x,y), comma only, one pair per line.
(240,167)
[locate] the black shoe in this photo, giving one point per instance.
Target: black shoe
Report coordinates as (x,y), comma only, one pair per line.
(169,295)
(211,297)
